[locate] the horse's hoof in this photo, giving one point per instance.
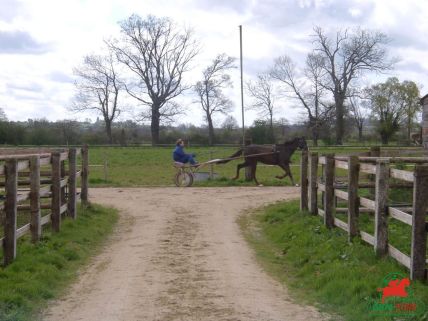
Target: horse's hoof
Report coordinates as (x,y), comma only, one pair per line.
(260,185)
(297,185)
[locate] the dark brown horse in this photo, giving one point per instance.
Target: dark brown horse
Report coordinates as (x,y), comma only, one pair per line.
(278,154)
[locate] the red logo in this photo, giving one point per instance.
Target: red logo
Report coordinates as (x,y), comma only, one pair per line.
(395,288)
(396,298)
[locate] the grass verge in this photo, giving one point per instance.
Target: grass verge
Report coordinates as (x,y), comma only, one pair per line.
(42,271)
(318,265)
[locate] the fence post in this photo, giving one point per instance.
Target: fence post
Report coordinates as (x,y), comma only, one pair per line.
(353,202)
(419,232)
(35,226)
(313,176)
(85,175)
(304,181)
(381,200)
(63,194)
(11,188)
(329,190)
(71,205)
(56,192)
(322,180)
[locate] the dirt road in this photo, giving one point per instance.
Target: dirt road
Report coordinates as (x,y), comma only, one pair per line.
(178,254)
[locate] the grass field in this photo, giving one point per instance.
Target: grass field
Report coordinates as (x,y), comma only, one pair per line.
(147,166)
(153,167)
(43,271)
(320,267)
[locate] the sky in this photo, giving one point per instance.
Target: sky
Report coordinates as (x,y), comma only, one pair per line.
(42,41)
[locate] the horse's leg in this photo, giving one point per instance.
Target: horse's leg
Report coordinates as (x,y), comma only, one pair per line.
(281,177)
(291,176)
(253,173)
(288,170)
(282,165)
(238,168)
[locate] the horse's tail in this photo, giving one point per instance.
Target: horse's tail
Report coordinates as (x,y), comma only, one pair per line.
(238,153)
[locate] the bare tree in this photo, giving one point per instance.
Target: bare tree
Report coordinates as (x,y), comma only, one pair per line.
(230,123)
(69,130)
(210,90)
(359,111)
(345,57)
(98,88)
(306,89)
(230,129)
(158,53)
(264,97)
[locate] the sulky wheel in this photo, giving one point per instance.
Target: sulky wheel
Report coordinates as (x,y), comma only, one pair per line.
(183,179)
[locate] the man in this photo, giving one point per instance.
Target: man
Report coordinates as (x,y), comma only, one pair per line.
(180,156)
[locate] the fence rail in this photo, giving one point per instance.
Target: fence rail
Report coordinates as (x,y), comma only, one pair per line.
(379,177)
(27,182)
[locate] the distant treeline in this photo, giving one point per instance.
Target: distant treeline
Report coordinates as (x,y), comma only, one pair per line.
(68,132)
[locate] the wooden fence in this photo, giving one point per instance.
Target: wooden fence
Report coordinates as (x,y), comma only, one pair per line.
(381,177)
(29,178)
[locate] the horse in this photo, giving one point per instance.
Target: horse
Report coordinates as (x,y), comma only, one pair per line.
(395,288)
(279,154)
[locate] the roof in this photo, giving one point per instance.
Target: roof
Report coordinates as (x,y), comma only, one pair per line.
(423,99)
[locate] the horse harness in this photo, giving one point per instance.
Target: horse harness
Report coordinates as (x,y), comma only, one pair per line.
(279,150)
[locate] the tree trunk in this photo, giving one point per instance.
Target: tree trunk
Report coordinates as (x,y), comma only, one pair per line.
(123,138)
(409,129)
(210,130)
(384,137)
(155,125)
(108,131)
(272,136)
(360,133)
(315,136)
(340,126)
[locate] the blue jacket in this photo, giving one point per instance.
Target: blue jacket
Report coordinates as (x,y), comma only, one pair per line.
(179,155)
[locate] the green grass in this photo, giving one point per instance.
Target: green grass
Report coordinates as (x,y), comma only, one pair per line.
(42,271)
(319,266)
(147,166)
(152,166)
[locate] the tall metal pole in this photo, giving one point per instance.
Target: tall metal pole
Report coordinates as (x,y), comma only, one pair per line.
(242,88)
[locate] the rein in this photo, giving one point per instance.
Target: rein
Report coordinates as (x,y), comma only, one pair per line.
(213,161)
(244,156)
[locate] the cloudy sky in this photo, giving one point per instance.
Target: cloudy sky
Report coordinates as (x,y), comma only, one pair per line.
(41,41)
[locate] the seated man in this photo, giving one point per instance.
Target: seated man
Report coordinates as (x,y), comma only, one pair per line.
(180,156)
